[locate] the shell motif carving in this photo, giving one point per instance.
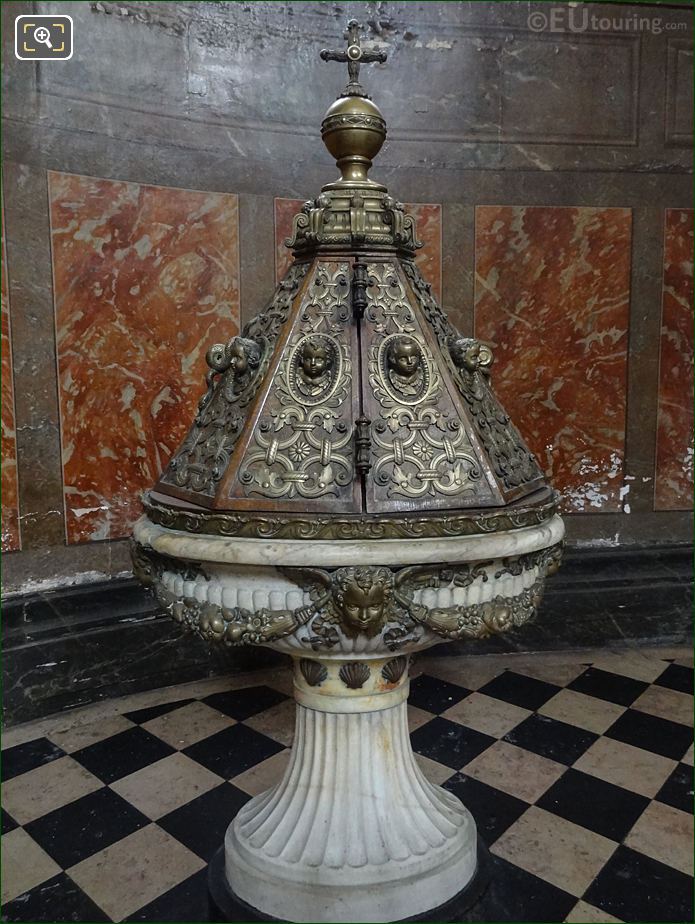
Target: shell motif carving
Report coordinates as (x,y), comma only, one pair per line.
(393,670)
(314,673)
(354,674)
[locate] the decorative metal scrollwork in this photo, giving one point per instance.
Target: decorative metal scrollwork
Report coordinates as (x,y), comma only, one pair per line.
(373,600)
(354,219)
(470,360)
(511,460)
(443,329)
(420,445)
(320,526)
(236,371)
(302,444)
(211,621)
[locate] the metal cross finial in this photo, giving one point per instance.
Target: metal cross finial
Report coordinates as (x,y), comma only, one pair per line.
(354,55)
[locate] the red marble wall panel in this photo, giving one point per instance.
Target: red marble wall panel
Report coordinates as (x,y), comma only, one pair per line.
(146,278)
(10,507)
(429,230)
(551,296)
(674,448)
(428,219)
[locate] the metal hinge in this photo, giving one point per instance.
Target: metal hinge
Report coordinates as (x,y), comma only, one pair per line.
(363,446)
(360,281)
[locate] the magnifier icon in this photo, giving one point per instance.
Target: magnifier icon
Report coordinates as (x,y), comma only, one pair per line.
(44,36)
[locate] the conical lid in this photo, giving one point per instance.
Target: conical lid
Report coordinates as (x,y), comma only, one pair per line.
(351,398)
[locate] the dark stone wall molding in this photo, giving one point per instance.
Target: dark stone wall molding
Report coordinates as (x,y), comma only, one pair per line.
(484,65)
(561,57)
(679,93)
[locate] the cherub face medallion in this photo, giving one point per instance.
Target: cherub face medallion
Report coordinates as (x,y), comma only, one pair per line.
(404,369)
(314,369)
(361,596)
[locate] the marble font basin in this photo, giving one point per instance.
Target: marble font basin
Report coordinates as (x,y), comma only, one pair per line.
(354,831)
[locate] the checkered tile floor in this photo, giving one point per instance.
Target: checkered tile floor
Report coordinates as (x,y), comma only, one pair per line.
(577,768)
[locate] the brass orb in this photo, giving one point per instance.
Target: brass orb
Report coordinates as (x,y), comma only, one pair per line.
(354,131)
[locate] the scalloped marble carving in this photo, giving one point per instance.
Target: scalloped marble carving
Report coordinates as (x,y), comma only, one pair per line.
(374,838)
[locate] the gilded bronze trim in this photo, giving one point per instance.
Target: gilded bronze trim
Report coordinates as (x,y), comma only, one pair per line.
(365,601)
(276,526)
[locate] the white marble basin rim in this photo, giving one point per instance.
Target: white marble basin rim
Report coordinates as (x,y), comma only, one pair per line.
(345,552)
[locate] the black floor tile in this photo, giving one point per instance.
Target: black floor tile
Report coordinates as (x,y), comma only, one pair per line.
(57,899)
(140,716)
(631,886)
(25,757)
(678,789)
(435,695)
(233,750)
(661,736)
(122,754)
(188,901)
(494,811)
(515,895)
(606,685)
(552,739)
(594,804)
(83,827)
(520,690)
(7,822)
(449,743)
(677,677)
(201,823)
(636,888)
(242,704)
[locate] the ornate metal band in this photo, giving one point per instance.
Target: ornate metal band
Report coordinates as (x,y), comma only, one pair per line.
(355,218)
(394,605)
(276,526)
(353,120)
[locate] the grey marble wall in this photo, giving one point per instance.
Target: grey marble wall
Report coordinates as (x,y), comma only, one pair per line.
(483,106)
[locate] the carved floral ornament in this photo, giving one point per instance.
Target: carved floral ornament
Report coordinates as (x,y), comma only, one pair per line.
(395,604)
(470,361)
(302,443)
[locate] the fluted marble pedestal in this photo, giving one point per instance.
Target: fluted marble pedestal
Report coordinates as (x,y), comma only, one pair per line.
(354,831)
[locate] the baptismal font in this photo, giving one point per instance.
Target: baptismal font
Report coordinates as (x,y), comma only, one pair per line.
(351,491)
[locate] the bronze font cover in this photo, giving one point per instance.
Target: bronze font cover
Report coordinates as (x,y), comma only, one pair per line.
(351,403)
